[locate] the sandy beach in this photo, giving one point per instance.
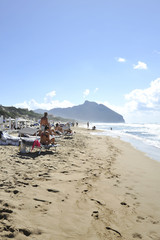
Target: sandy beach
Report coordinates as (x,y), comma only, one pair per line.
(90,188)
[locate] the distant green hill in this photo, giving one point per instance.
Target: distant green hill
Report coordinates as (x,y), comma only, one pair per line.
(14,112)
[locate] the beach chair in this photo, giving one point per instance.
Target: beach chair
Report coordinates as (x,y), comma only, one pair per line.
(67,130)
(27,138)
(28,143)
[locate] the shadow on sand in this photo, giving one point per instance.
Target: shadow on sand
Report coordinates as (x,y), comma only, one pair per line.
(34,155)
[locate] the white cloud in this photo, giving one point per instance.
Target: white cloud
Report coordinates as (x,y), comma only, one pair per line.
(96,89)
(47,104)
(32,105)
(140,65)
(121,59)
(157,52)
(49,96)
(146,99)
(86,92)
(142,105)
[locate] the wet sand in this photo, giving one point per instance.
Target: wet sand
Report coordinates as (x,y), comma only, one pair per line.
(91,188)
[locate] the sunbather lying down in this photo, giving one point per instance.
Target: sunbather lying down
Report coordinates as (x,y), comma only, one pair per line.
(63,130)
(46,139)
(58,130)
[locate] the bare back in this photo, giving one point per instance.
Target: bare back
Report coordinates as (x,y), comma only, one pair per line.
(44,121)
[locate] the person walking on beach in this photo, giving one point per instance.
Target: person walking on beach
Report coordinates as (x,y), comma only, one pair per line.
(87,124)
(44,122)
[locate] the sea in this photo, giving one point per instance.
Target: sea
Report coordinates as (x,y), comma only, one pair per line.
(144,137)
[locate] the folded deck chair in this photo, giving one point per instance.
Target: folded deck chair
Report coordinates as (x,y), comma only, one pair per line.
(27,140)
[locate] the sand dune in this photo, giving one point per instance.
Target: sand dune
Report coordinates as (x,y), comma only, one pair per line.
(91,188)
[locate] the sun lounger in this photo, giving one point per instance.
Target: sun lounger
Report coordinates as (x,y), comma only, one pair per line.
(6,139)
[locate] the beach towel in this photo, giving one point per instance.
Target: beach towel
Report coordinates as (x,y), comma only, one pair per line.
(36,143)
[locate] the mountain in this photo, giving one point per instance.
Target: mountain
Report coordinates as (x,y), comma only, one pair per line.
(88,111)
(40,111)
(14,112)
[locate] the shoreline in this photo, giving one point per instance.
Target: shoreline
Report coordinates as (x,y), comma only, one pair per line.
(91,188)
(149,150)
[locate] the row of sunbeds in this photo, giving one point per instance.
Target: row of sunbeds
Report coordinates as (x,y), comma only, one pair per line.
(28,139)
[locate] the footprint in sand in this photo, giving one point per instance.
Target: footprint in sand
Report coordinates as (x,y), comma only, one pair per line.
(41,200)
(85,191)
(35,185)
(132,195)
(137,235)
(152,220)
(95,214)
(111,229)
(10,231)
(124,204)
(53,190)
(26,232)
(97,201)
(15,191)
(137,204)
(129,188)
(139,219)
(4,213)
(115,185)
(153,235)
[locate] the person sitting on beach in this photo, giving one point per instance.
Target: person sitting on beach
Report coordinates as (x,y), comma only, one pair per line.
(67,129)
(94,128)
(44,122)
(45,137)
(58,130)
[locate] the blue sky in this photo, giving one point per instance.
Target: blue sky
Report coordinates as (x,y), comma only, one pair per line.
(61,53)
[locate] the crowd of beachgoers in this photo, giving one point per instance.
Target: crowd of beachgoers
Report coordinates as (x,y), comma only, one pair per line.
(41,133)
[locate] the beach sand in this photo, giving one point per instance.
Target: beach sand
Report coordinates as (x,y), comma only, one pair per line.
(91,188)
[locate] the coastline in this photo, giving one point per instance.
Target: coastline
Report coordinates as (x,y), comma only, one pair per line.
(144,137)
(149,150)
(92,187)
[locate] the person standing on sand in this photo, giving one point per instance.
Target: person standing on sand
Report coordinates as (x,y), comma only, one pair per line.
(44,122)
(87,124)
